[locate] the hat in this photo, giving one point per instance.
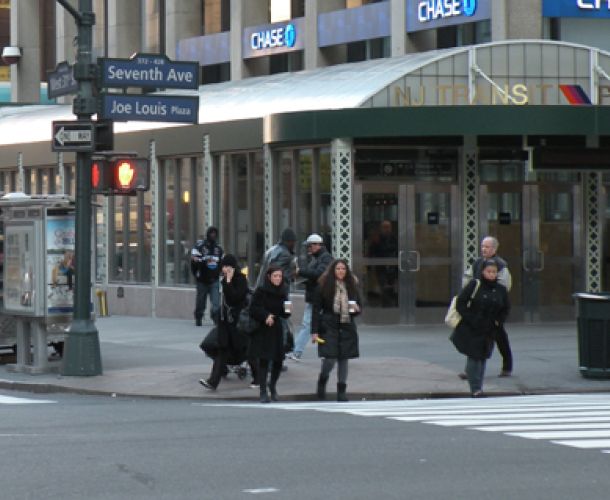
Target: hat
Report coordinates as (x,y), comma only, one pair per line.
(229,260)
(489,262)
(288,235)
(314,238)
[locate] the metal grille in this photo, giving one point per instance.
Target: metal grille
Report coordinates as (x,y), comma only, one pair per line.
(593,225)
(208,215)
(471,212)
(268,159)
(341,198)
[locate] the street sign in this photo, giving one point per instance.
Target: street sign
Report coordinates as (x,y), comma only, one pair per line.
(73,136)
(149,71)
(61,81)
(151,108)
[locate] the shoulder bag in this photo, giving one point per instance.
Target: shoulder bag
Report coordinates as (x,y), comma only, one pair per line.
(453,318)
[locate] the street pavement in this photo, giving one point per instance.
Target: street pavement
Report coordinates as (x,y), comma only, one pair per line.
(160,358)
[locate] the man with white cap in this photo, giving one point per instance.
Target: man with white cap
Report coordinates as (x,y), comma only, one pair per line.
(318,259)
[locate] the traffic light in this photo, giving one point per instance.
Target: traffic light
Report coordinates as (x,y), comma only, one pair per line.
(120,175)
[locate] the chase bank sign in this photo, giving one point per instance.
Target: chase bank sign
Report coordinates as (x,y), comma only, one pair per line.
(272,39)
(428,14)
(576,8)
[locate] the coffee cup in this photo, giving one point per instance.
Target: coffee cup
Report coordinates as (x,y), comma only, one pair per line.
(351,306)
(287,307)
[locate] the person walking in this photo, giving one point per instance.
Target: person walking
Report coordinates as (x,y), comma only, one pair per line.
(205,266)
(316,262)
(267,342)
(483,305)
(231,344)
(281,255)
(335,305)
(489,250)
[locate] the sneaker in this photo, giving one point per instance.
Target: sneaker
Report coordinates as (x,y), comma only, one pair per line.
(294,356)
(505,373)
(463,376)
(254,385)
(205,383)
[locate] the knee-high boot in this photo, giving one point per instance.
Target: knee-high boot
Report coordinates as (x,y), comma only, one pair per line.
(262,380)
(321,389)
(275,375)
(341,395)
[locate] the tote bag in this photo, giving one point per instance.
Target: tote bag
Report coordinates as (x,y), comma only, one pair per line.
(453,318)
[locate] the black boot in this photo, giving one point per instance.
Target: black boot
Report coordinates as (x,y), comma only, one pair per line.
(275,375)
(264,395)
(272,391)
(321,389)
(341,396)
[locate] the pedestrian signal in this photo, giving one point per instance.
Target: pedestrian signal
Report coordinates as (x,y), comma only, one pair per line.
(120,175)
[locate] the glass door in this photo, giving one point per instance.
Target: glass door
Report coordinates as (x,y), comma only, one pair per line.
(404,250)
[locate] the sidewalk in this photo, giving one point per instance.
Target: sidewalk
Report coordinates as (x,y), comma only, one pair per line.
(160,358)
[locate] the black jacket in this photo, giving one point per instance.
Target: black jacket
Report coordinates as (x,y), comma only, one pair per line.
(267,342)
(205,260)
(474,336)
(312,270)
(233,299)
(340,339)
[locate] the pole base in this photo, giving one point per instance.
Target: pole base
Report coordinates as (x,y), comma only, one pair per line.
(81,356)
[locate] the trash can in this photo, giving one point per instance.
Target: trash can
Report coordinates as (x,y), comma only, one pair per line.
(593,319)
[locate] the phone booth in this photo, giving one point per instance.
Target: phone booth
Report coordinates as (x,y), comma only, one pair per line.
(38,274)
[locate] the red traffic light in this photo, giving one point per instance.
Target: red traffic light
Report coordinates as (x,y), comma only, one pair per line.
(130,175)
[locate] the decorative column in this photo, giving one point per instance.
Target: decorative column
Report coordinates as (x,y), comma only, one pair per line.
(269,196)
(208,179)
(61,172)
(20,183)
(155,226)
(593,225)
(341,179)
(470,207)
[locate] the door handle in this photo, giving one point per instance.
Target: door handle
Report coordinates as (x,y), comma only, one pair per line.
(525,258)
(400,252)
(541,262)
(417,261)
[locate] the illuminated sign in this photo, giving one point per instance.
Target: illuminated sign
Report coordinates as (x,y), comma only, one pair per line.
(273,39)
(576,8)
(284,36)
(430,10)
(429,14)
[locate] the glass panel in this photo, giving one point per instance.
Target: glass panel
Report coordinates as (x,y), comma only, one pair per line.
(145,262)
(240,163)
(304,194)
(325,212)
(285,184)
(185,204)
(119,224)
(169,233)
(432,219)
(258,209)
(131,207)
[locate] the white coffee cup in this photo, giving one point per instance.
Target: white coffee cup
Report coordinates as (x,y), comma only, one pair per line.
(351,306)
(288,307)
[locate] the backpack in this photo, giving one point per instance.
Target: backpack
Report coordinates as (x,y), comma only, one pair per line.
(246,323)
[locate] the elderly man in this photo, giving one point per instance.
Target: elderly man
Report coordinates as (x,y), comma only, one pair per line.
(489,249)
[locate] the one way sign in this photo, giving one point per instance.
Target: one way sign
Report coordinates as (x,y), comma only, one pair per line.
(73,136)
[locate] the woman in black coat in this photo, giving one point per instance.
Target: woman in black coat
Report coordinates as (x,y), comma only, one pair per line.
(231,343)
(483,316)
(336,302)
(267,342)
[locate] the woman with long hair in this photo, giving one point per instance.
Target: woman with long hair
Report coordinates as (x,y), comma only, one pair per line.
(336,303)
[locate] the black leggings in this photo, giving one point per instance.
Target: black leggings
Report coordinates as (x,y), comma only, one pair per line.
(263,371)
(329,363)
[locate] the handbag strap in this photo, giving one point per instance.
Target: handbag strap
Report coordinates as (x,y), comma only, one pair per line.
(476,288)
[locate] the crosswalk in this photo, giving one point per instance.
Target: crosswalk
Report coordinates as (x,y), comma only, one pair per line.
(10,400)
(577,420)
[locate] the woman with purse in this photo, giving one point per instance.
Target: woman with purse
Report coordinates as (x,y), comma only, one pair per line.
(483,311)
(336,303)
(231,344)
(267,341)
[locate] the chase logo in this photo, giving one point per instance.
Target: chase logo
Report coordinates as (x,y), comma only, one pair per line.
(469,7)
(282,36)
(290,35)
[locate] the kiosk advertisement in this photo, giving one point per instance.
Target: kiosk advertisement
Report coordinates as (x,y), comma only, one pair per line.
(60,244)
(19,275)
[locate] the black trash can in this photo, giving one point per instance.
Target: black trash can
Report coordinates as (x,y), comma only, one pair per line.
(593,317)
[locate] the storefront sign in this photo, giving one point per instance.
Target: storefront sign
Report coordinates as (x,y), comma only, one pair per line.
(428,14)
(272,39)
(576,8)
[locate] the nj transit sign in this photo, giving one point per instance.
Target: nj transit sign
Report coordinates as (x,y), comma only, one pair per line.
(597,9)
(429,14)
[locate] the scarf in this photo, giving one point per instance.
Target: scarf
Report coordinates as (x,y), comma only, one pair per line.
(340,305)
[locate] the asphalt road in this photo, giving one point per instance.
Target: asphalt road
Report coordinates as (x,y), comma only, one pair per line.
(77,447)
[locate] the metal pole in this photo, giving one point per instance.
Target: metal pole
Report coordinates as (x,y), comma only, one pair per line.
(82,349)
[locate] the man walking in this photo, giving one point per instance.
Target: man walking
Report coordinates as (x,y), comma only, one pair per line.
(205,266)
(318,259)
(281,254)
(489,249)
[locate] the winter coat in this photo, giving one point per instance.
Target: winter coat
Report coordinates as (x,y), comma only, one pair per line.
(267,342)
(278,255)
(312,270)
(233,300)
(205,260)
(475,334)
(340,339)
(474,271)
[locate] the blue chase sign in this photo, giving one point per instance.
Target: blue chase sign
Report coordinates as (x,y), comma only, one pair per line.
(576,8)
(429,14)
(273,38)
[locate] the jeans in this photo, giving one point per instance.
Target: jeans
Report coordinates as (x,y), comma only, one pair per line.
(203,290)
(305,332)
(475,370)
(504,348)
(329,363)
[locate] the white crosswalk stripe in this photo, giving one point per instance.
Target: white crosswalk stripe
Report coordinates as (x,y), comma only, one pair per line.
(578,420)
(10,400)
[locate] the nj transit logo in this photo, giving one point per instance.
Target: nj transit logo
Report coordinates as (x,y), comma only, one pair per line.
(431,10)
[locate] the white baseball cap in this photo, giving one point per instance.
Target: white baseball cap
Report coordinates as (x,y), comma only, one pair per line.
(314,238)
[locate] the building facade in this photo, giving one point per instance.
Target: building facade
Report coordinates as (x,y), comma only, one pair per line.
(402,131)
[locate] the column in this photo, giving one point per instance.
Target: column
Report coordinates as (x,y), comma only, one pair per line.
(516,19)
(594,210)
(270,192)
(245,13)
(313,56)
(470,202)
(341,179)
(25,34)
(183,20)
(398,8)
(124,28)
(208,180)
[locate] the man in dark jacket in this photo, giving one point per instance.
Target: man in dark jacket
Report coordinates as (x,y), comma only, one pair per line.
(205,266)
(281,255)
(318,259)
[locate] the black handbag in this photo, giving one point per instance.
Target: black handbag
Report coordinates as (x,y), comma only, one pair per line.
(245,322)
